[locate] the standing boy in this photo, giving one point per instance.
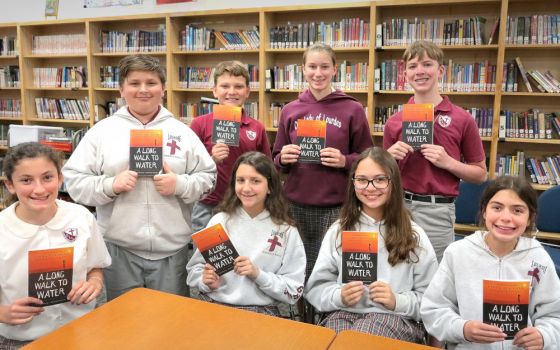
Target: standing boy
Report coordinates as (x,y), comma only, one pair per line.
(145,220)
(231,88)
(431,175)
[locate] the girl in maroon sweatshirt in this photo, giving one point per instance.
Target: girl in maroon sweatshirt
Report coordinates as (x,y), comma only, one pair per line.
(316,190)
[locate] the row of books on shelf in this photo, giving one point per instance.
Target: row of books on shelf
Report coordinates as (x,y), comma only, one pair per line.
(545,171)
(133,41)
(290,77)
(101,111)
(543,82)
(59,44)
(189,111)
(203,77)
(67,141)
(9,76)
(348,32)
(109,76)
(62,108)
(456,77)
(66,77)
(194,38)
(10,107)
(535,29)
(441,31)
(531,124)
(382,114)
(8,46)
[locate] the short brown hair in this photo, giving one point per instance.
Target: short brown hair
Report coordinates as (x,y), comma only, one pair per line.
(234,68)
(140,63)
(422,47)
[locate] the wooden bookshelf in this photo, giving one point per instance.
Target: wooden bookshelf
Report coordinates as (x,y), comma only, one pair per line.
(173,55)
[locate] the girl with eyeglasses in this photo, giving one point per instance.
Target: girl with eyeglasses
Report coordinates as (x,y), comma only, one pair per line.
(406,262)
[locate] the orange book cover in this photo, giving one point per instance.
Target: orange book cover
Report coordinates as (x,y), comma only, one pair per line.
(359,256)
(226,124)
(217,249)
(506,304)
(50,274)
(418,124)
(146,151)
(311,137)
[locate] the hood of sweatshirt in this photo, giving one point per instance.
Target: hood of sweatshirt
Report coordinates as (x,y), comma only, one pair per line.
(162,115)
(524,243)
(337,95)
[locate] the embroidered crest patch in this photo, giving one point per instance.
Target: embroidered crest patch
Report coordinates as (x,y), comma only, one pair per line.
(70,234)
(251,135)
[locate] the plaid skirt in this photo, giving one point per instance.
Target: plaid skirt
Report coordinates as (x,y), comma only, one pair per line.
(11,344)
(383,324)
(270,310)
(312,224)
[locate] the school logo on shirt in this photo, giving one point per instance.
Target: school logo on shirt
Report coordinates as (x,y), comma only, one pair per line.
(172,143)
(275,243)
(70,234)
(251,135)
(444,120)
(536,271)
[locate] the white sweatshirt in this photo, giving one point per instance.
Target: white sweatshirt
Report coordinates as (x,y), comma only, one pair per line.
(455,293)
(141,221)
(276,250)
(407,280)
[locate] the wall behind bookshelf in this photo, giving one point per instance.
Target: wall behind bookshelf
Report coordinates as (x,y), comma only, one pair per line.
(165,41)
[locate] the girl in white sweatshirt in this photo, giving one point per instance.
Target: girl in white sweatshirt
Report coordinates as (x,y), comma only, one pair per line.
(271,265)
(390,306)
(452,308)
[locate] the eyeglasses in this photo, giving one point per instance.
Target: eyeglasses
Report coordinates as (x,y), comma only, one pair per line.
(380,182)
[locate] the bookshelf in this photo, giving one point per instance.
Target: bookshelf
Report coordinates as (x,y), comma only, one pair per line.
(107,39)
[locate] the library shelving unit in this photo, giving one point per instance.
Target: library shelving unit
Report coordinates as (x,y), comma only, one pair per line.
(54,47)
(189,44)
(428,19)
(110,40)
(540,53)
(195,48)
(351,20)
(10,84)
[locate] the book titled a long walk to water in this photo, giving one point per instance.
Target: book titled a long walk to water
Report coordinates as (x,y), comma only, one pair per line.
(418,124)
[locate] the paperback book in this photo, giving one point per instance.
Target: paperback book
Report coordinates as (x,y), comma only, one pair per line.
(226,125)
(146,151)
(50,274)
(216,248)
(311,137)
(506,305)
(359,256)
(418,124)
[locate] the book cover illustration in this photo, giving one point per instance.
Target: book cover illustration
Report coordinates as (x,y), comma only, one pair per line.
(311,137)
(418,124)
(359,256)
(146,151)
(50,274)
(226,125)
(506,305)
(216,248)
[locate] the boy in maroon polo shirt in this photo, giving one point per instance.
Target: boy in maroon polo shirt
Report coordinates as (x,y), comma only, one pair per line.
(231,87)
(431,175)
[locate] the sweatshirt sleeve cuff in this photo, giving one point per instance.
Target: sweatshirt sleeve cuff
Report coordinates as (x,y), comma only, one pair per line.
(181,184)
(401,304)
(337,300)
(108,186)
(263,279)
(457,327)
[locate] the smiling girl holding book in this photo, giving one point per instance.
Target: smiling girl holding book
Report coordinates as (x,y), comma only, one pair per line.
(390,306)
(270,268)
(452,308)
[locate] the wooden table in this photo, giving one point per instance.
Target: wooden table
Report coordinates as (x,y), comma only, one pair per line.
(148,319)
(355,340)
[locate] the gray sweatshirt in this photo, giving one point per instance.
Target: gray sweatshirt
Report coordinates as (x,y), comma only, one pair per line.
(455,293)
